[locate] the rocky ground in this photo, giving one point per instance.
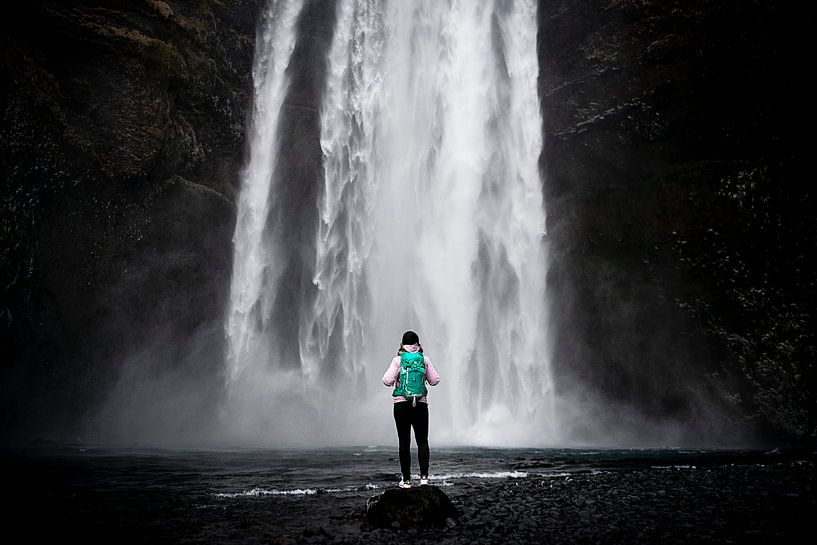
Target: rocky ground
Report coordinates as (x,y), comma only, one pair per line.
(717,497)
(722,504)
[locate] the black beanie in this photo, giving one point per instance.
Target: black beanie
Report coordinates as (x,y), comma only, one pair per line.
(410,337)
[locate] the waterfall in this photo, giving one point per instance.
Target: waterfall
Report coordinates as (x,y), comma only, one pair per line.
(430,217)
(255,269)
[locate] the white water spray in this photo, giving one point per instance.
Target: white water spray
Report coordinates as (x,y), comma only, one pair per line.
(431,218)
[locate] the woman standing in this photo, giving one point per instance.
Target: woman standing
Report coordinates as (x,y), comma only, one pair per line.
(409,372)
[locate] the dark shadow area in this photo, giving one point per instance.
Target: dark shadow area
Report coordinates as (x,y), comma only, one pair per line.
(680,228)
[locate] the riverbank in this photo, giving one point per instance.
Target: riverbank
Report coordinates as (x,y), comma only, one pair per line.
(729,503)
(553,496)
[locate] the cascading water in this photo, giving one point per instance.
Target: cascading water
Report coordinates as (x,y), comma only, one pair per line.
(255,268)
(431,218)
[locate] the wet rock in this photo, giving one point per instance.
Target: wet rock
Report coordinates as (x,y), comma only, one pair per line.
(670,159)
(425,506)
(122,137)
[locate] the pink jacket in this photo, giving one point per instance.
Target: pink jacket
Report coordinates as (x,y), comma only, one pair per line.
(390,378)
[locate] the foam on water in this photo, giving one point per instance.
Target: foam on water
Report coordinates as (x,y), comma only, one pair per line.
(481,475)
(255,492)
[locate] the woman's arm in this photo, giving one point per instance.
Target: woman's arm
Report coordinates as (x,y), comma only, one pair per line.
(432,376)
(391,373)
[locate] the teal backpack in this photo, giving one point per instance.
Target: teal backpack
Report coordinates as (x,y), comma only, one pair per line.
(412,377)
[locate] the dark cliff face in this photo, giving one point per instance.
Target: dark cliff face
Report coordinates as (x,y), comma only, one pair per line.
(681,229)
(122,141)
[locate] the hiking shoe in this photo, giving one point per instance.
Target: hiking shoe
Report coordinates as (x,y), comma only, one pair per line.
(423,481)
(405,483)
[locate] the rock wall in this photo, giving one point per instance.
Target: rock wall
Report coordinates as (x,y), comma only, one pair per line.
(123,137)
(679,222)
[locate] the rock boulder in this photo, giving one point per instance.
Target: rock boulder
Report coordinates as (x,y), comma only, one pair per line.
(425,506)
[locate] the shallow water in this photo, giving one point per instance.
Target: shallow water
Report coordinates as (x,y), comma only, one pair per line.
(253,495)
(259,472)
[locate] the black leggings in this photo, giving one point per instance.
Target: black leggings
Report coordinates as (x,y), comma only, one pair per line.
(406,416)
